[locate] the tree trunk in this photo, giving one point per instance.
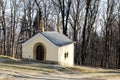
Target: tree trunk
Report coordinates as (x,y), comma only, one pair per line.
(83,51)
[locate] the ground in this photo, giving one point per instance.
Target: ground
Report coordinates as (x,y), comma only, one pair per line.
(13,69)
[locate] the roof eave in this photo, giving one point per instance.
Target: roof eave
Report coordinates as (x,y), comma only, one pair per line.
(66,44)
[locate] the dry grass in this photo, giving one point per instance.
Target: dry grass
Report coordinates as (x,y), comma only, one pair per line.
(27,69)
(8,57)
(8,78)
(93,70)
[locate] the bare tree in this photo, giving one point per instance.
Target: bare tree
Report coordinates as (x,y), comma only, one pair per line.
(119,32)
(38,15)
(80,22)
(14,9)
(109,20)
(92,7)
(75,21)
(64,9)
(3,6)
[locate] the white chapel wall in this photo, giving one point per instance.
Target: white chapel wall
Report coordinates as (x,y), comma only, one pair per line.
(68,61)
(51,49)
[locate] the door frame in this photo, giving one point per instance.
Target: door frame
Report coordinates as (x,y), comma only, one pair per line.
(35,48)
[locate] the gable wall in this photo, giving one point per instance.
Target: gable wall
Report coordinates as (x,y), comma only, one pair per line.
(28,46)
(69,61)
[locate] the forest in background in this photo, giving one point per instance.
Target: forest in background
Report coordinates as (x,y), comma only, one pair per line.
(93,24)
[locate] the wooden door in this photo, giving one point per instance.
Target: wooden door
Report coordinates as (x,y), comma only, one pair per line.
(40,52)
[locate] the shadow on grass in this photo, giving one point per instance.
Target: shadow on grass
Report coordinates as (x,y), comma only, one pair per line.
(35,65)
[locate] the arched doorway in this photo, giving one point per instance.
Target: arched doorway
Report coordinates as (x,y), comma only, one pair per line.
(40,52)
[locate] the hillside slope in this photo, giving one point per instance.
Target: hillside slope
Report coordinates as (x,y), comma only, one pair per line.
(12,69)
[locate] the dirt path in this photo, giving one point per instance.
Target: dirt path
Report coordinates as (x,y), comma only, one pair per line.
(24,70)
